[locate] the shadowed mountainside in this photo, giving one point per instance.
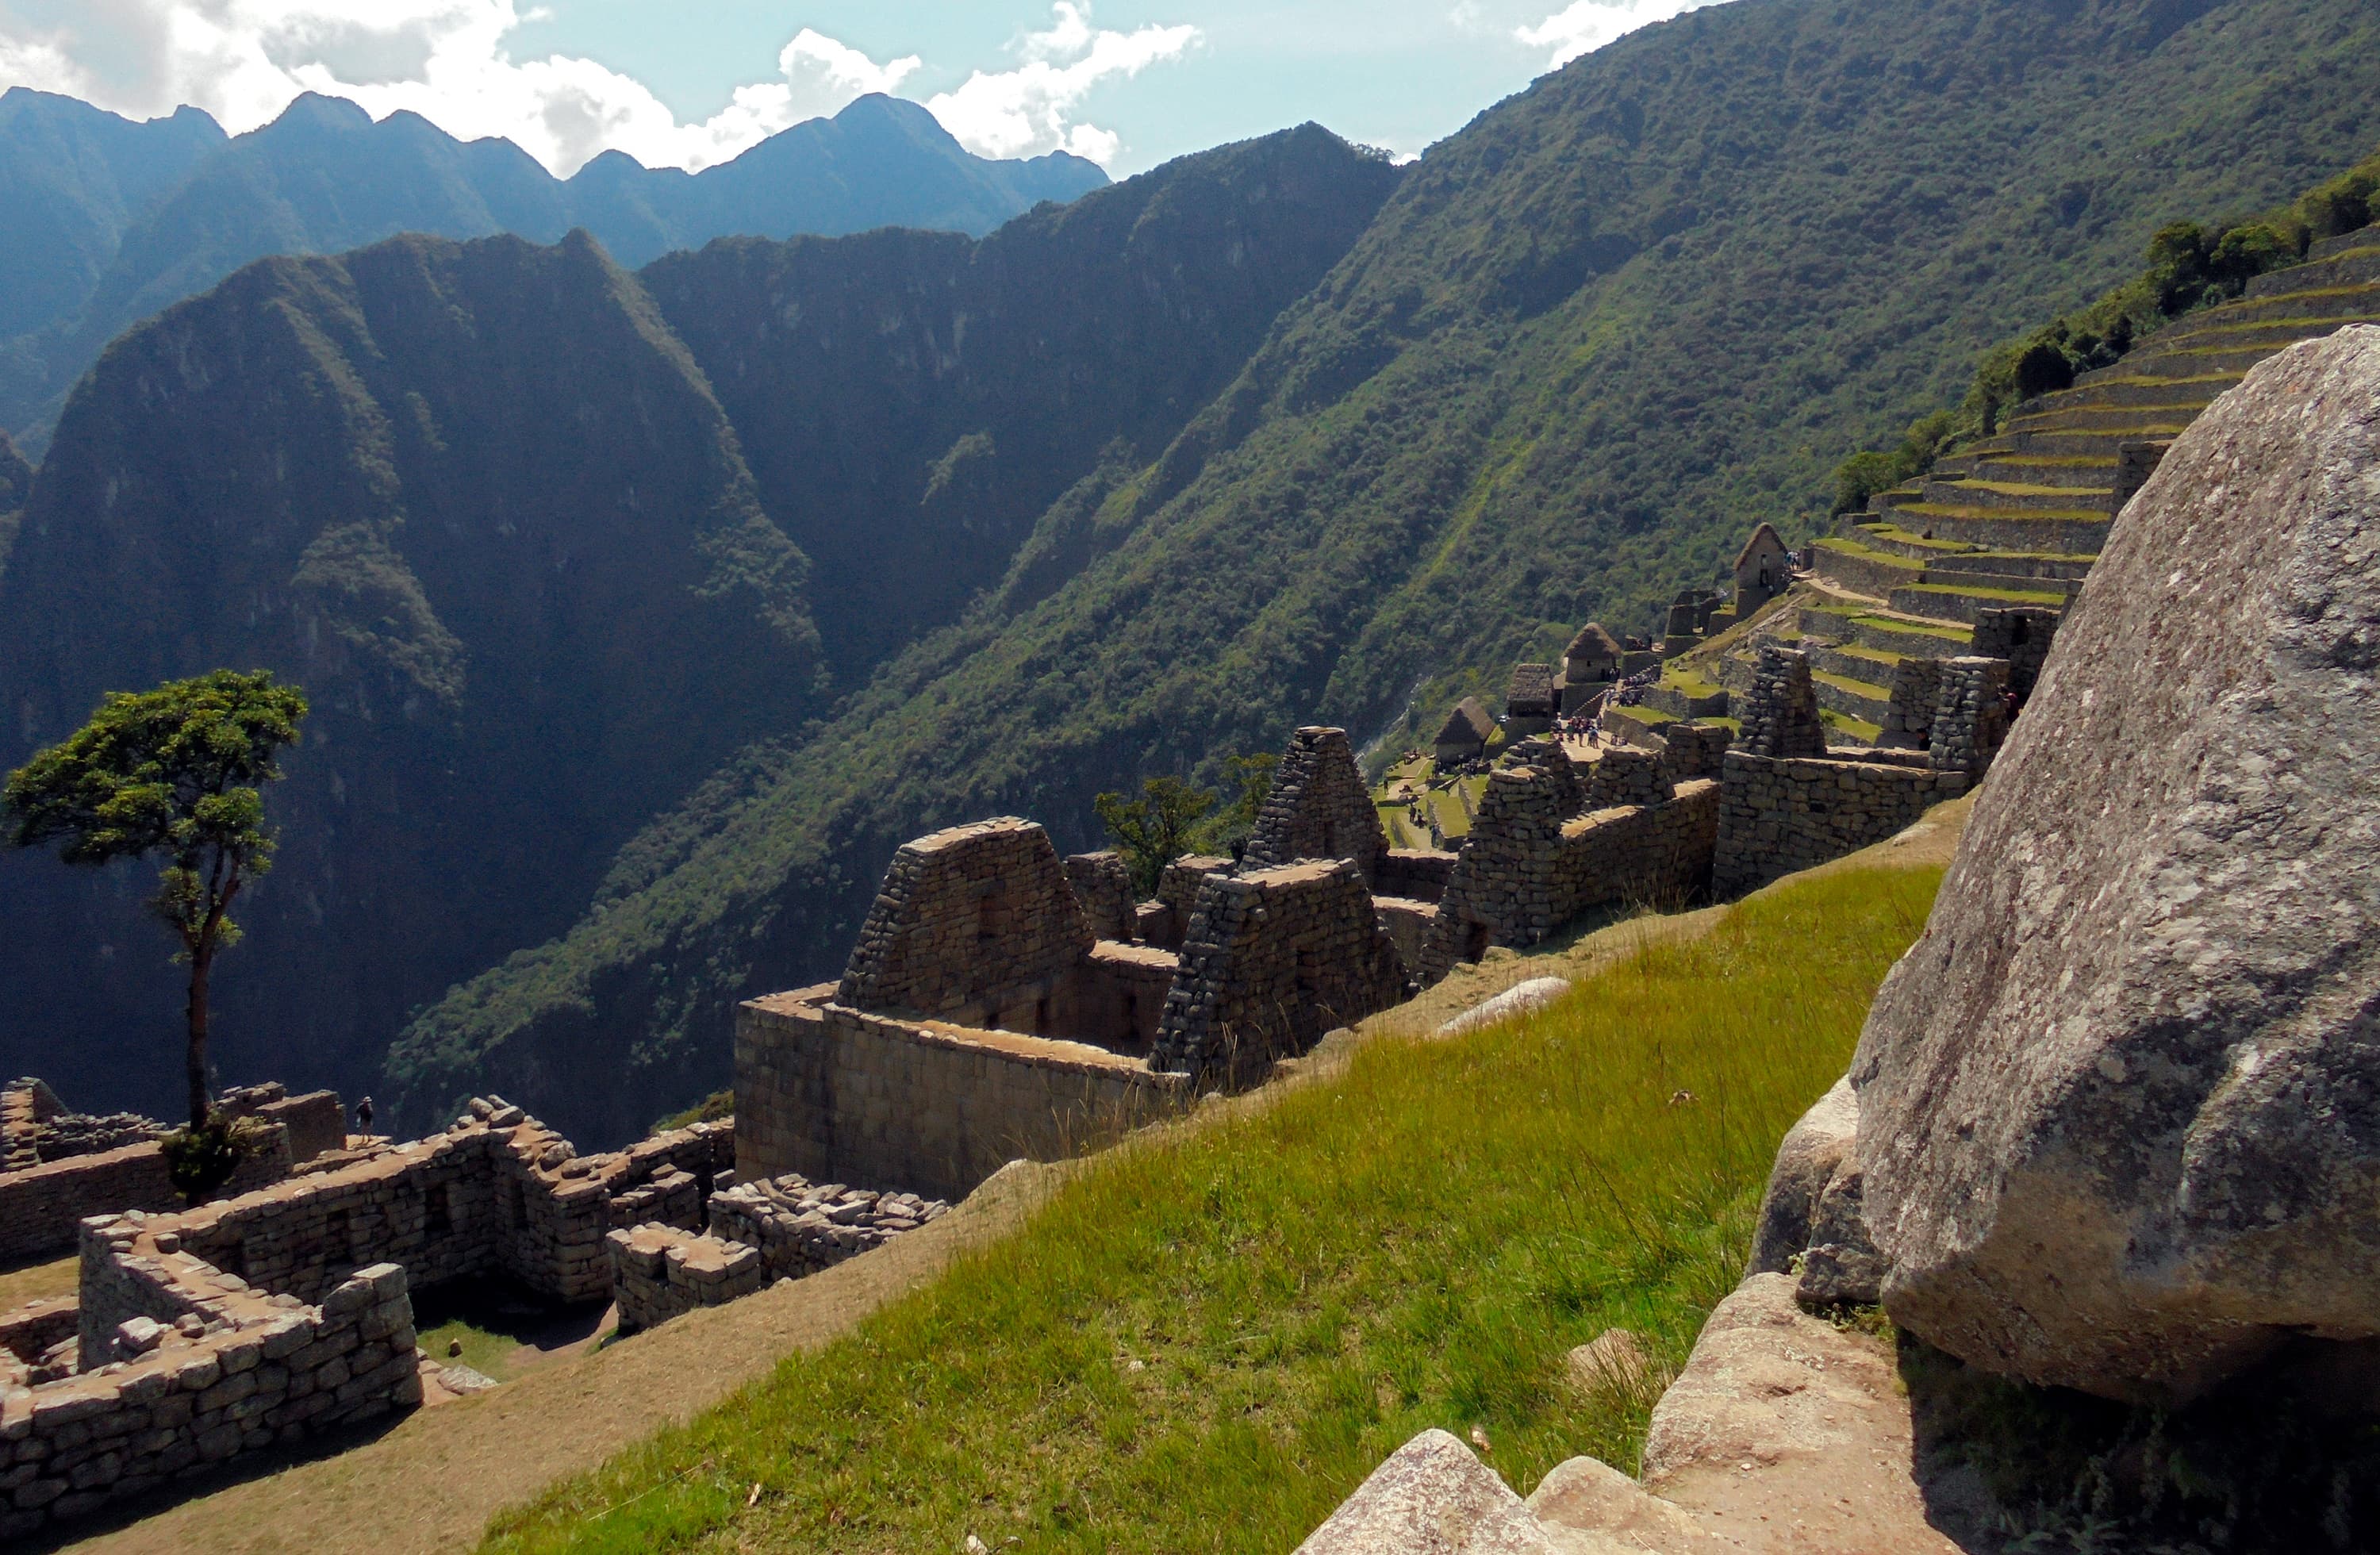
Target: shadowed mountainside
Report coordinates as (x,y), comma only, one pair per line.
(483,503)
(1589,341)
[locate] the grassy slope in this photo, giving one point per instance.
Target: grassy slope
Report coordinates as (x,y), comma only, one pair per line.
(1213,1334)
(1589,339)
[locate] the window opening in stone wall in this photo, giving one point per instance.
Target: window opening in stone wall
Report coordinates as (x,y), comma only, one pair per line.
(437,1213)
(992,915)
(338,1238)
(1041,1015)
(515,1206)
(1474,942)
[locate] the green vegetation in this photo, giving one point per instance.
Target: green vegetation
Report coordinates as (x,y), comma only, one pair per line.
(1215,1331)
(1154,830)
(1274,436)
(175,775)
(710,1109)
(2187,266)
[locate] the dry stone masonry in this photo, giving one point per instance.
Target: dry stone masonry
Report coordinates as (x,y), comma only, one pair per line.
(1317,808)
(782,1228)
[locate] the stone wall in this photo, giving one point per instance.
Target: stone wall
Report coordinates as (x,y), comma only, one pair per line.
(973,923)
(1695,750)
(1532,862)
(1103,887)
(1779,816)
(1177,892)
(317,1121)
(40,1207)
(1916,686)
(234,1370)
(1317,808)
(1625,775)
(2021,635)
(836,1093)
(1780,712)
(1413,874)
(1272,959)
(1969,715)
(659,1271)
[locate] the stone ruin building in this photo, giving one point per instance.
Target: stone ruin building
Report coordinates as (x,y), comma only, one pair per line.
(981,1017)
(1464,734)
(1764,569)
(198,1335)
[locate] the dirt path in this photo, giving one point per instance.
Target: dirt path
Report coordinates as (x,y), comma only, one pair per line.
(432,1482)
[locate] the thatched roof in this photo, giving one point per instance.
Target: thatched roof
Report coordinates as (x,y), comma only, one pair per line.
(1468,724)
(1754,543)
(1531,694)
(1593,642)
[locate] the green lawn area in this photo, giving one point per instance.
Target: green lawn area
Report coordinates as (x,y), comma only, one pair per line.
(1215,1331)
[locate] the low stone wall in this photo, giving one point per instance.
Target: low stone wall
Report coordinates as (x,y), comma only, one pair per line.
(40,1207)
(801,1228)
(1406,922)
(1272,960)
(835,1093)
(236,1370)
(1532,862)
(782,1228)
(1413,874)
(1777,816)
(659,1271)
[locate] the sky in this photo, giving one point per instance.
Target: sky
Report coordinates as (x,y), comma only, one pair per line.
(689,83)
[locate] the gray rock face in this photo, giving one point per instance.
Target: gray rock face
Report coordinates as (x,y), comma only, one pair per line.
(2120,1108)
(1813,1151)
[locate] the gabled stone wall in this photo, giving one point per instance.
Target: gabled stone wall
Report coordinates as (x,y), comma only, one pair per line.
(1317,808)
(1273,959)
(973,923)
(1779,816)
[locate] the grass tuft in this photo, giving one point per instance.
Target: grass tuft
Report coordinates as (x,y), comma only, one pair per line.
(1213,1332)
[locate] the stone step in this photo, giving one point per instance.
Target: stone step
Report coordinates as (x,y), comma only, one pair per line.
(1948,601)
(1852,565)
(2015,497)
(2346,242)
(2115,391)
(2352,300)
(1862,700)
(2345,267)
(2081,532)
(2018,574)
(2048,566)
(2100,442)
(2084,471)
(2181,363)
(1887,635)
(1854,661)
(1896,541)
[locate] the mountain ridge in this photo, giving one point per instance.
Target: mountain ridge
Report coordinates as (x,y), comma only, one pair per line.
(1462,469)
(190,208)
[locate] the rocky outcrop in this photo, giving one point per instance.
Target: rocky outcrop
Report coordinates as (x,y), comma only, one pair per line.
(2120,1120)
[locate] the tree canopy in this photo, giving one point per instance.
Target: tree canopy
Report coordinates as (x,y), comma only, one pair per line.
(174,773)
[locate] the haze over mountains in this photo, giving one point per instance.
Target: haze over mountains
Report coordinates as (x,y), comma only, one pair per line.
(647,613)
(111,220)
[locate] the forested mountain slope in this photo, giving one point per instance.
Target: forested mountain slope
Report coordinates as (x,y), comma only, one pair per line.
(482,503)
(1589,341)
(112,221)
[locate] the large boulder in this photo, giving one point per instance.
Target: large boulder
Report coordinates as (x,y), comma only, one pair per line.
(2120,1107)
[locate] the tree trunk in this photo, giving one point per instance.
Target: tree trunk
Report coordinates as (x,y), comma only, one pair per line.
(200,960)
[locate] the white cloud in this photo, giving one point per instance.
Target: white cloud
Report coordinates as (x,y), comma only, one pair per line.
(243,60)
(1585,26)
(1029,110)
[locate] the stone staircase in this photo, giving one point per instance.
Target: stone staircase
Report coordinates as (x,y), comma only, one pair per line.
(2019,518)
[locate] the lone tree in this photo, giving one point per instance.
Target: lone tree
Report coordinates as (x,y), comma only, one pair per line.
(171,773)
(1154,830)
